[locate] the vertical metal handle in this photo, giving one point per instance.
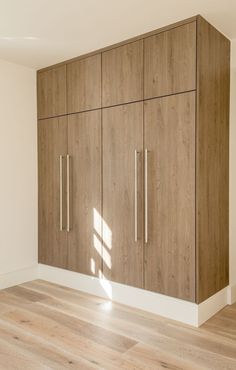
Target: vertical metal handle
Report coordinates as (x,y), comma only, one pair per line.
(136,195)
(68,191)
(61,191)
(146,195)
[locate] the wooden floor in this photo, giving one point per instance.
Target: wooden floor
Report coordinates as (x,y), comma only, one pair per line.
(46,326)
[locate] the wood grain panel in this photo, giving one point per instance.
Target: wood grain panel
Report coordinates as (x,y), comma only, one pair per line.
(84,84)
(122,135)
(170,61)
(51,89)
(212,160)
(84,142)
(122,74)
(169,136)
(52,142)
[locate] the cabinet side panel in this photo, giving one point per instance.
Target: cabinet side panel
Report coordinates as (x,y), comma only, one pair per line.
(212,153)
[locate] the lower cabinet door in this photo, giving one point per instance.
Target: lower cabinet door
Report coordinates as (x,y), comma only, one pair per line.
(122,129)
(52,150)
(169,248)
(85,235)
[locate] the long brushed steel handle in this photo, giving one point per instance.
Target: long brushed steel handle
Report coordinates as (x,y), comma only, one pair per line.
(68,191)
(146,195)
(136,195)
(61,191)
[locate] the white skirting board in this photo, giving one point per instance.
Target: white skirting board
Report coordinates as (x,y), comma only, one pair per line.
(232,294)
(212,305)
(18,277)
(171,308)
(138,298)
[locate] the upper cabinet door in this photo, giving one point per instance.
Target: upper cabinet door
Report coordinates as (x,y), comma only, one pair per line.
(84,84)
(170,61)
(122,74)
(51,86)
(52,143)
(122,194)
(169,137)
(85,237)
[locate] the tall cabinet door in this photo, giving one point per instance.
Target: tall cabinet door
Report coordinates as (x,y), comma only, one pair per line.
(122,129)
(85,236)
(52,150)
(169,137)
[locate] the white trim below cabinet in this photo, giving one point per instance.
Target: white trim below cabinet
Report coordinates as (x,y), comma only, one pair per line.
(171,308)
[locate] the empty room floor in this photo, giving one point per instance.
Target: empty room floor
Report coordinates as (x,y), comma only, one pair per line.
(47,326)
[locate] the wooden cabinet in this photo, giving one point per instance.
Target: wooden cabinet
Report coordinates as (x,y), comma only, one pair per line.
(52,143)
(122,129)
(169,137)
(85,236)
(170,61)
(148,134)
(51,89)
(122,74)
(84,84)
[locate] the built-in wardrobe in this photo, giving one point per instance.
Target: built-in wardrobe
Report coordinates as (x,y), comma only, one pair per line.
(133,162)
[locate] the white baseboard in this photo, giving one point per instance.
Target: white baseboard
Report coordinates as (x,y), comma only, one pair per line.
(18,277)
(159,304)
(171,308)
(232,294)
(212,305)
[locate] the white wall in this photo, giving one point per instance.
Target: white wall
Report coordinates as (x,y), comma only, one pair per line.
(18,168)
(233,166)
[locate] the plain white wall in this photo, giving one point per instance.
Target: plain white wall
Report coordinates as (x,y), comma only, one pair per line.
(232,206)
(18,167)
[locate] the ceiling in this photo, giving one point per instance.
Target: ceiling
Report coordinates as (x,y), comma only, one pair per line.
(43,32)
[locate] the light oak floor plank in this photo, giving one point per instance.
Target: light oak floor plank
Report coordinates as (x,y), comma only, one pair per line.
(47,326)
